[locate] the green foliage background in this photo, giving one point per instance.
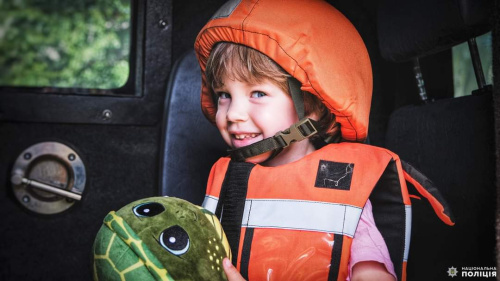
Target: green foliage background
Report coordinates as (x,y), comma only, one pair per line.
(82,43)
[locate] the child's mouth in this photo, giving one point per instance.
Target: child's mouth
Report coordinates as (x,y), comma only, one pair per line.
(245,136)
(241,140)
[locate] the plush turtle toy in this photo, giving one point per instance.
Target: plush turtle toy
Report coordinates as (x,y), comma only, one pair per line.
(160,238)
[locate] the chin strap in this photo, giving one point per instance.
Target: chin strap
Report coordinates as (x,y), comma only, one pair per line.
(301,130)
(297,96)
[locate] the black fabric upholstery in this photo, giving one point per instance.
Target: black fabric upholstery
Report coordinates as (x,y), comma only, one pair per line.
(451,141)
(409,29)
(191,143)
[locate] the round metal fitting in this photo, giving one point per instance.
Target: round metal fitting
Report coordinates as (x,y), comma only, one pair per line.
(107,114)
(50,180)
(162,23)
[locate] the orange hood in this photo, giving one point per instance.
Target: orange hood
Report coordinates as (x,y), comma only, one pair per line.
(309,39)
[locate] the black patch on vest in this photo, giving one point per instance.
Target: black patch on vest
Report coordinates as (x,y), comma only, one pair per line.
(334,175)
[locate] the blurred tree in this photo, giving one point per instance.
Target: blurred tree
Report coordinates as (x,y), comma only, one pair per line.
(56,43)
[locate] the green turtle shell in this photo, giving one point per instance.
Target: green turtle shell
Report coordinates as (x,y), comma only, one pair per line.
(160,238)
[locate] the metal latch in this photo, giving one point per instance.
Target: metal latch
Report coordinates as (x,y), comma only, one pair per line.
(48,178)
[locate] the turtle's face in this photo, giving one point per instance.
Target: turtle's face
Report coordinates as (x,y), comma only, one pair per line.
(185,238)
(174,238)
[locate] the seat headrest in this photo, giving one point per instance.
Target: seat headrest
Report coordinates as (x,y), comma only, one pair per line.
(411,29)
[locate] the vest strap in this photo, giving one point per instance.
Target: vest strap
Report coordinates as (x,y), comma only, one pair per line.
(231,204)
(338,241)
(245,252)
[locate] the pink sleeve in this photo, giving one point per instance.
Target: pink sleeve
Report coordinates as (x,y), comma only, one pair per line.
(368,244)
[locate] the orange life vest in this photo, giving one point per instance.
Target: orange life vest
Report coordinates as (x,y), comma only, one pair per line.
(297,221)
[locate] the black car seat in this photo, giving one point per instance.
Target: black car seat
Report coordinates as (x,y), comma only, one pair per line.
(449,140)
(191,144)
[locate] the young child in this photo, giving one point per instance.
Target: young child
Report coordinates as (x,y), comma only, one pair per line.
(250,90)
(280,80)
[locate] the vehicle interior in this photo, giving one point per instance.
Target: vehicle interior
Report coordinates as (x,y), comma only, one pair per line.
(76,145)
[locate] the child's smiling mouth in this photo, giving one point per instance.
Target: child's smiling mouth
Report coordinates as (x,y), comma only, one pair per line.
(244,136)
(244,139)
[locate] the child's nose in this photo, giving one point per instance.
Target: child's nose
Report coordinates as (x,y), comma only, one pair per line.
(237,111)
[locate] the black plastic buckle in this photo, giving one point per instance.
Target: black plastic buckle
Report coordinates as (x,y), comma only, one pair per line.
(297,132)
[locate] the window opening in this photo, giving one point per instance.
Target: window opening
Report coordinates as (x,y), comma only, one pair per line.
(65,44)
(464,79)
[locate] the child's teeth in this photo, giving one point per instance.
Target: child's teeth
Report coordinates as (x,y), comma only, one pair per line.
(240,137)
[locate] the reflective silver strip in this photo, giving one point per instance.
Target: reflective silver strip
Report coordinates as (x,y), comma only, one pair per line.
(301,215)
(407,231)
(210,203)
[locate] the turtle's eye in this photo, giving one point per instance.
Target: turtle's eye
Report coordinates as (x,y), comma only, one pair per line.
(175,239)
(150,209)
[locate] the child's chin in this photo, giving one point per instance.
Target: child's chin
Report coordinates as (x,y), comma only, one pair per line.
(259,158)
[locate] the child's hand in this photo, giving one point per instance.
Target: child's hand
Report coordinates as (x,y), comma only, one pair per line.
(231,272)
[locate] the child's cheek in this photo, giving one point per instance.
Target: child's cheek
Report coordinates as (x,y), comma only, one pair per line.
(220,122)
(220,118)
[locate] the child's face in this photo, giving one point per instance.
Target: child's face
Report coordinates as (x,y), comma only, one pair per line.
(248,113)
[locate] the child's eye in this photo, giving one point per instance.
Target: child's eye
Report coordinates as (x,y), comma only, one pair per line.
(223,95)
(258,94)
